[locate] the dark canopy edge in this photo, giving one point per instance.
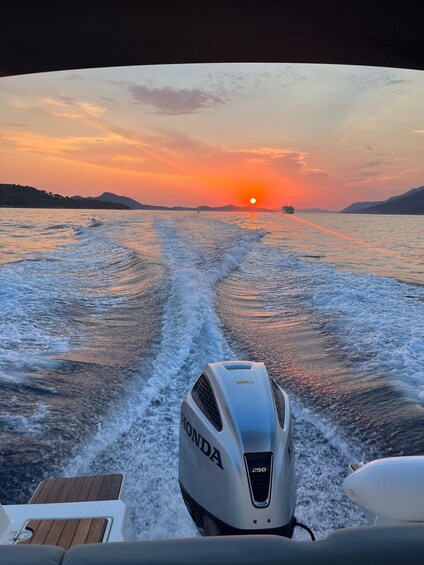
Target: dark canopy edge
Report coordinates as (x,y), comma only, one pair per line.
(46,36)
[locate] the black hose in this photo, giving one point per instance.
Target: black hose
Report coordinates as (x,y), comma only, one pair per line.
(310,532)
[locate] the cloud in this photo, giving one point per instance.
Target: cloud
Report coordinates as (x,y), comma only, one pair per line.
(13,125)
(382,79)
(367,177)
(110,146)
(418,131)
(60,107)
(109,103)
(271,155)
(321,172)
(75,76)
(384,160)
(173,101)
(368,174)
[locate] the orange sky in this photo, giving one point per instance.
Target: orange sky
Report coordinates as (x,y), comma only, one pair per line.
(308,135)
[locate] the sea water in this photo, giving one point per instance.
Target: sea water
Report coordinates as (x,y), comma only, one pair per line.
(107,318)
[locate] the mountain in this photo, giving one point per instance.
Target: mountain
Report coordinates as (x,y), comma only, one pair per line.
(134,205)
(15,195)
(231,208)
(356,206)
(130,202)
(410,202)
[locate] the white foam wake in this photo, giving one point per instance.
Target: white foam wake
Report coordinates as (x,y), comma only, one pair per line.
(141,437)
(378,324)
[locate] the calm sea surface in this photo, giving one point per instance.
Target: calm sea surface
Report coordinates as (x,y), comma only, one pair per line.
(106,321)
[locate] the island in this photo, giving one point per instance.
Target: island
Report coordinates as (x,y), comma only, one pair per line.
(18,196)
(410,202)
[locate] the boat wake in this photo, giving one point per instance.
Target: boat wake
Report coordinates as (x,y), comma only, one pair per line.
(141,437)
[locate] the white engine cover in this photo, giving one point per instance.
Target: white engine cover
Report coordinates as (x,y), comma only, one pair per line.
(392,489)
(236,459)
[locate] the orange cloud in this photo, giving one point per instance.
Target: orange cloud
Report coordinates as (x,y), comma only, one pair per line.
(228,174)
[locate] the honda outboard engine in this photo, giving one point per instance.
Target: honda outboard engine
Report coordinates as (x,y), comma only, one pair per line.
(236,465)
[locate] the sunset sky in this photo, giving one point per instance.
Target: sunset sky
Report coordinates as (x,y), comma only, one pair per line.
(309,135)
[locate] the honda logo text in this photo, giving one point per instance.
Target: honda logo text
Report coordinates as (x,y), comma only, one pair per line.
(199,441)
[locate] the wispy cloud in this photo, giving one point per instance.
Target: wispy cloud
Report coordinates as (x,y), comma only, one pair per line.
(109,103)
(107,145)
(367,174)
(13,125)
(173,101)
(321,172)
(271,155)
(381,79)
(48,145)
(70,108)
(366,177)
(161,151)
(383,160)
(60,106)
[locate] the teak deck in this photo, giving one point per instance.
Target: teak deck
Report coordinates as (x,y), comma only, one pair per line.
(66,533)
(78,489)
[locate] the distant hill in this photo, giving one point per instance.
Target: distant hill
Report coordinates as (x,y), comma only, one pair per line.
(125,200)
(356,206)
(134,205)
(18,196)
(410,202)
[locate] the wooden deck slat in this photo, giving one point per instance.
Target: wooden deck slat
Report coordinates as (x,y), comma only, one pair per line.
(82,531)
(97,530)
(64,494)
(54,532)
(40,529)
(42,491)
(85,489)
(95,488)
(111,488)
(55,491)
(104,489)
(43,528)
(78,489)
(73,495)
(115,487)
(66,533)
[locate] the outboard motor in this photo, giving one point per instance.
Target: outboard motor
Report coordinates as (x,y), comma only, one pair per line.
(236,463)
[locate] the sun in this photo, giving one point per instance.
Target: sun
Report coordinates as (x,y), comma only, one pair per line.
(253,200)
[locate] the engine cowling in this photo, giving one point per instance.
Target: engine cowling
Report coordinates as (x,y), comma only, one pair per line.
(236,462)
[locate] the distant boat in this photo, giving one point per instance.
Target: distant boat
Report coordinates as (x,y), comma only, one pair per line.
(287,209)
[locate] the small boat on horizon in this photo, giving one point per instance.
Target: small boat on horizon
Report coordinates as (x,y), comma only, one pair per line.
(287,209)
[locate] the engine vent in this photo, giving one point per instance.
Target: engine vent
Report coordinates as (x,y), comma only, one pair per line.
(204,397)
(259,471)
(280,404)
(195,510)
(237,366)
